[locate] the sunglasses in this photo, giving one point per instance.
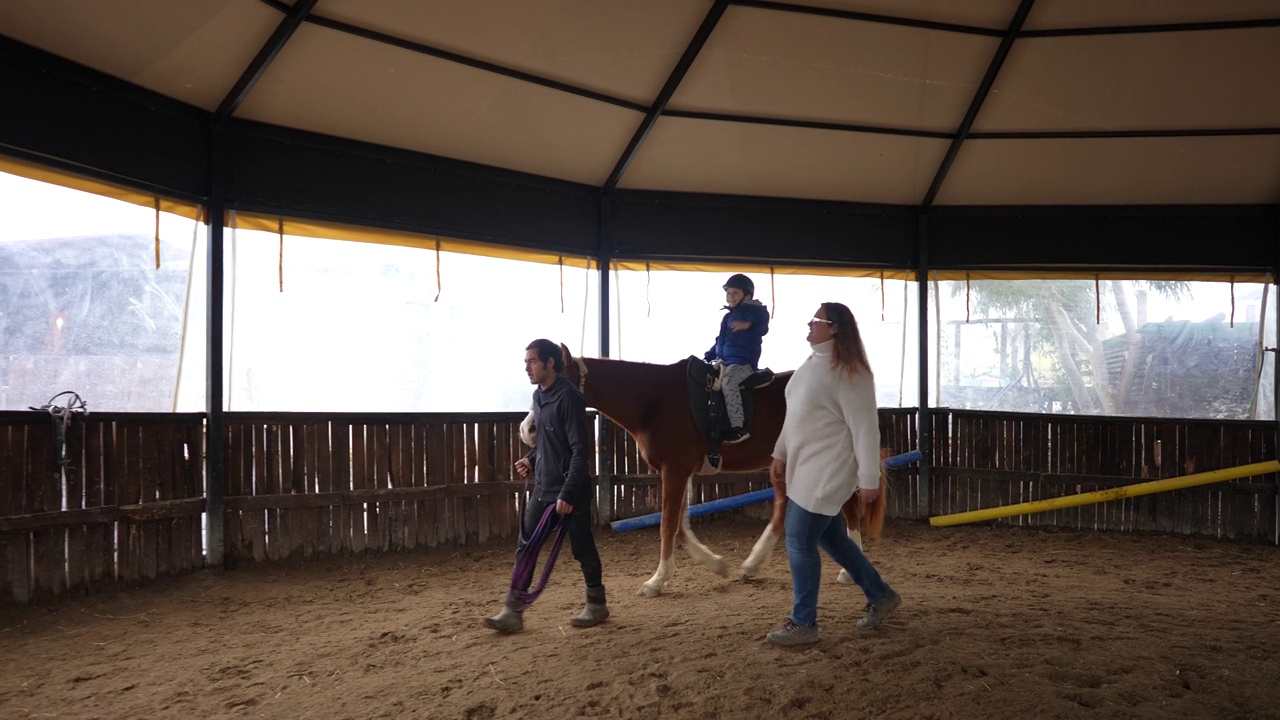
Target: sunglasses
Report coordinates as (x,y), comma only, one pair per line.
(820,320)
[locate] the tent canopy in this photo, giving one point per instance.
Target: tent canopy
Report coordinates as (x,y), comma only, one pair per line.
(904,133)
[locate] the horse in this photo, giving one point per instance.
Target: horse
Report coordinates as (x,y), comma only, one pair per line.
(650,401)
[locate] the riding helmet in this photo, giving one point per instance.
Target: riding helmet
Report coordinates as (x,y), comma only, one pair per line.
(741,282)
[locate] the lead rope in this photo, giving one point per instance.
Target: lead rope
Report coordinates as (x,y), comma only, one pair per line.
(522,573)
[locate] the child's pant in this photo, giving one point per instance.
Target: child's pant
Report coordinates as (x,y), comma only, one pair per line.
(731,377)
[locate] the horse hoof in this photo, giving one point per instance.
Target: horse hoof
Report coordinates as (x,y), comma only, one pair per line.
(647,591)
(845,578)
(747,573)
(719,567)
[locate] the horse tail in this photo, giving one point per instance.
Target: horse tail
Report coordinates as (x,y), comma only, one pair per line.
(873,516)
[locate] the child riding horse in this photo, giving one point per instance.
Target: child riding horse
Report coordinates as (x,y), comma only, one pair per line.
(650,402)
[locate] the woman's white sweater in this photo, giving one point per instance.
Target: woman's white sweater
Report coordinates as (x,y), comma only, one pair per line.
(830,437)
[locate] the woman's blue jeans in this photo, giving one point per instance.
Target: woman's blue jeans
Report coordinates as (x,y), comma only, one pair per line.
(806,532)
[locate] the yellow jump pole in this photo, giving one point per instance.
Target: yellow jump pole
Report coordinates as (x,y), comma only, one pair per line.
(1116,493)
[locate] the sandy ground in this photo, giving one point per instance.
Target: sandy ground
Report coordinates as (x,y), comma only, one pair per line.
(996,622)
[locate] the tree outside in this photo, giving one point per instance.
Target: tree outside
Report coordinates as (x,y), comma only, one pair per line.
(1110,347)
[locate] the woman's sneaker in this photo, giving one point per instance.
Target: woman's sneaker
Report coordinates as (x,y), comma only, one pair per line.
(879,610)
(735,436)
(793,634)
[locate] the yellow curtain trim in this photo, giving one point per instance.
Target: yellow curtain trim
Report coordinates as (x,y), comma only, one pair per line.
(280,269)
(157,202)
(967,290)
(52,176)
(335,231)
(882,301)
(439,281)
(1097,295)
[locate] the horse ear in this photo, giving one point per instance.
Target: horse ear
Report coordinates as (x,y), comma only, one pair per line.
(564,352)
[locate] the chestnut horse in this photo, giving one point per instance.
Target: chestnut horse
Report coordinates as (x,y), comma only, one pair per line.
(651,403)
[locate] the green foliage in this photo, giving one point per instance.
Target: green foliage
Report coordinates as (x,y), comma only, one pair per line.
(1078,332)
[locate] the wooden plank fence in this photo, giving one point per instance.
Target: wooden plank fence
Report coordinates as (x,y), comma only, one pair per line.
(990,459)
(130,505)
(310,485)
(127,507)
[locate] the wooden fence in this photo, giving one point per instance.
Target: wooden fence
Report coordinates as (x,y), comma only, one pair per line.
(990,459)
(129,510)
(299,486)
(303,485)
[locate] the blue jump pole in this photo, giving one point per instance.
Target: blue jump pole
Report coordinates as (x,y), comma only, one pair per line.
(728,503)
(903,460)
(737,501)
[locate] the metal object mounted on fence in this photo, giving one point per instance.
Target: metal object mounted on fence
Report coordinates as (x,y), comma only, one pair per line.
(61,415)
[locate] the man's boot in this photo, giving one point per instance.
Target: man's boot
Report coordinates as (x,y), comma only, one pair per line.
(510,619)
(595,612)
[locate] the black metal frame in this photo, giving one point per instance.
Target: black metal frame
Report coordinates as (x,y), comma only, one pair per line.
(979,97)
(293,18)
(668,90)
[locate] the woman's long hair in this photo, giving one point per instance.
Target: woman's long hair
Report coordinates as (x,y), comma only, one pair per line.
(850,354)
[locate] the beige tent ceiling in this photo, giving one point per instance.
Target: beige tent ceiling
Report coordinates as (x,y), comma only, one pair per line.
(911,102)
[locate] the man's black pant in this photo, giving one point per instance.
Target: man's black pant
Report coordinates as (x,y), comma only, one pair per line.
(581,539)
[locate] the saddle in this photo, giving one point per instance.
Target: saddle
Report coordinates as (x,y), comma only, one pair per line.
(706,402)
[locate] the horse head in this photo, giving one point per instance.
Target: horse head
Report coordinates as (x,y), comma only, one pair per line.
(528,433)
(575,369)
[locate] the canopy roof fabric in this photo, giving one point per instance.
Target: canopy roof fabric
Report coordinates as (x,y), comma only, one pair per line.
(600,111)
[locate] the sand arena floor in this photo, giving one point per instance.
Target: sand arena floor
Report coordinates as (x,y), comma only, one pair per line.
(996,622)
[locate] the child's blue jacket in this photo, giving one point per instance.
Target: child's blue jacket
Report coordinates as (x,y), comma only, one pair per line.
(743,346)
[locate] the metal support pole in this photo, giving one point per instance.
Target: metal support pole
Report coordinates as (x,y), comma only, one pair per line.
(215,441)
(604,483)
(1275,390)
(924,421)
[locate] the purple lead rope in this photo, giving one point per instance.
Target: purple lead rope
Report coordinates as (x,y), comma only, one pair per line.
(523,572)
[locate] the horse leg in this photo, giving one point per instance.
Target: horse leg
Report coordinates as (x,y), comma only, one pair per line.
(850,512)
(763,548)
(673,510)
(700,553)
